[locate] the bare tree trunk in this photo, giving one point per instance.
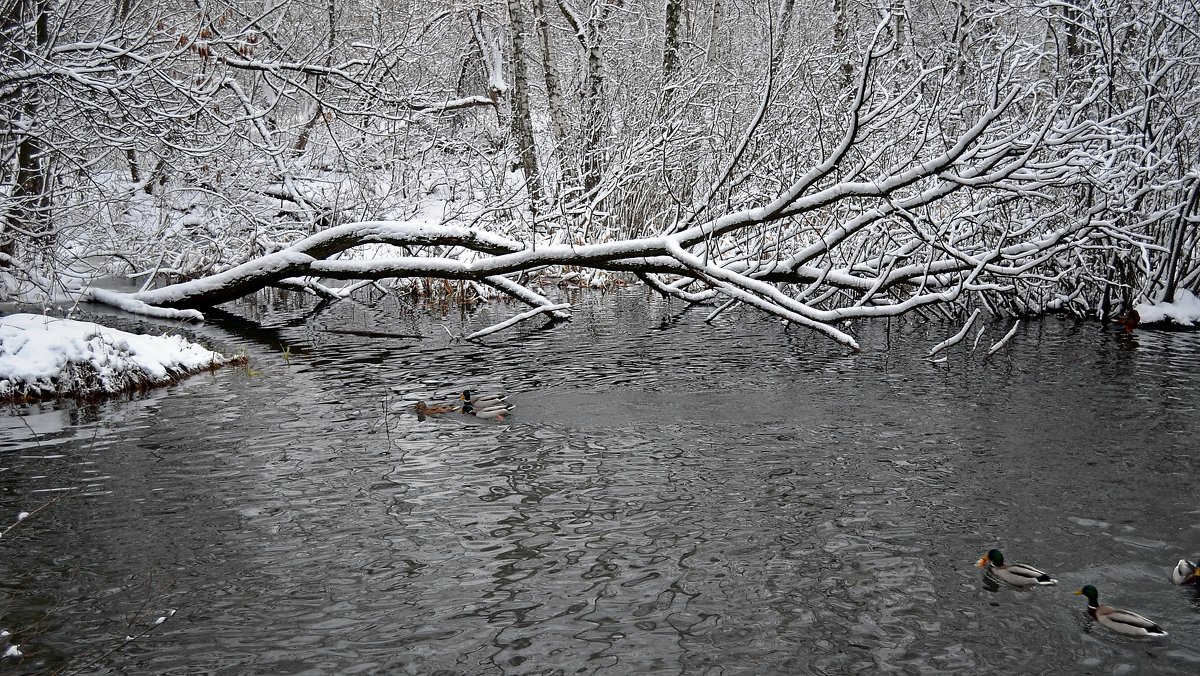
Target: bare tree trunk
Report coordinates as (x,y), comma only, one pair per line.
(318,113)
(899,11)
(592,106)
(962,33)
(558,117)
(1182,221)
(522,118)
(714,31)
(787,9)
(1071,14)
(595,117)
(1048,67)
(135,170)
(30,202)
(840,39)
(670,52)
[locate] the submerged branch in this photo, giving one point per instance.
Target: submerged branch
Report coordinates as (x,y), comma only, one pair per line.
(1003,341)
(956,338)
(516,319)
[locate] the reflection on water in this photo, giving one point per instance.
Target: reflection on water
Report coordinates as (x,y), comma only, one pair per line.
(668,498)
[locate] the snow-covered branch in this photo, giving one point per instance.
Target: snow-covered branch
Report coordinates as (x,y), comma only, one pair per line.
(216,157)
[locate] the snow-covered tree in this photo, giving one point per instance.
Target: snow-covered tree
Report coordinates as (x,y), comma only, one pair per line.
(822,161)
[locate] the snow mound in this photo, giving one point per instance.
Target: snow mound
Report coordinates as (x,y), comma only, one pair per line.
(45,357)
(1184,310)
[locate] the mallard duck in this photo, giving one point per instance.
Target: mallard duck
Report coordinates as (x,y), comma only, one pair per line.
(1016,574)
(483,399)
(490,412)
(1185,572)
(434,409)
(1129,319)
(1120,621)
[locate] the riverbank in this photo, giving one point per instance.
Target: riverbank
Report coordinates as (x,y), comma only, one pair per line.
(49,358)
(1181,314)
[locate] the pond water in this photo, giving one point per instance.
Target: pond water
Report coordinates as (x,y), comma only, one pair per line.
(669,497)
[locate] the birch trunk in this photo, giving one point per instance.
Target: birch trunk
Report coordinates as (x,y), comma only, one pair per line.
(558,115)
(714,31)
(522,117)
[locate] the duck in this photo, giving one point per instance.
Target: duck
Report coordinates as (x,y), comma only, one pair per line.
(1121,621)
(1129,319)
(1186,572)
(488,411)
(434,409)
(1016,574)
(483,399)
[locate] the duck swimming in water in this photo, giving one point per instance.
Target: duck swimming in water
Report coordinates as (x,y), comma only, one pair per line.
(488,412)
(434,409)
(483,399)
(1186,572)
(1121,621)
(1016,574)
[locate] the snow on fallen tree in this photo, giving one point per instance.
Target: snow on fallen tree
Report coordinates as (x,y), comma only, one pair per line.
(956,207)
(46,357)
(890,173)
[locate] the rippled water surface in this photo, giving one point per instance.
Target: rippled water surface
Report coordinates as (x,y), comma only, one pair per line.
(669,497)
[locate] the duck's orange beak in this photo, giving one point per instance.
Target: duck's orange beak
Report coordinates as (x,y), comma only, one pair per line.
(1078,592)
(983,561)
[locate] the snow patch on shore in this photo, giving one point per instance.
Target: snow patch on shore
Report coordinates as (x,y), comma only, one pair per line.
(1184,310)
(44,357)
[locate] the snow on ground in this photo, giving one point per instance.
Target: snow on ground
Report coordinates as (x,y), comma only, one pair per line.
(45,357)
(1184,311)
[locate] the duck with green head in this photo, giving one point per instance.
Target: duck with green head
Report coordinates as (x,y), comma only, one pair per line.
(1121,621)
(1016,574)
(483,399)
(487,411)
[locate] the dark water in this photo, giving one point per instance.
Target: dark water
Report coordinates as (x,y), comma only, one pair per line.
(669,498)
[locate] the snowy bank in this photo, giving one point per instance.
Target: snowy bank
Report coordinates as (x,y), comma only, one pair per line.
(1183,311)
(45,357)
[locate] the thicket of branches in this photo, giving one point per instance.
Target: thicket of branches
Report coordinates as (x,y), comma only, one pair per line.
(820,161)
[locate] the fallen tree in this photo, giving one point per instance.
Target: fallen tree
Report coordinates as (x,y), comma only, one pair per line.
(921,201)
(1019,167)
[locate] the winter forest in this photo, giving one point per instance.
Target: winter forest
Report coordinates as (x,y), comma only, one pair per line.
(736,458)
(817,161)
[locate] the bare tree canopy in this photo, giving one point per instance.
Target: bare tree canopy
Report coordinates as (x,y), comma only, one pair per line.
(1022,158)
